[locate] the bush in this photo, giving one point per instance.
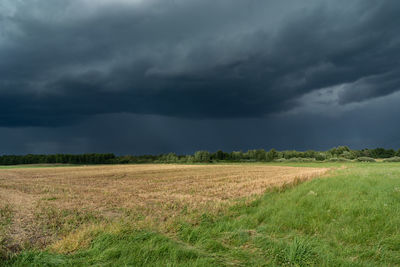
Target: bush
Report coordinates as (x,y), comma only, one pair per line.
(295,160)
(366,159)
(348,155)
(393,159)
(301,160)
(338,160)
(280,160)
(320,156)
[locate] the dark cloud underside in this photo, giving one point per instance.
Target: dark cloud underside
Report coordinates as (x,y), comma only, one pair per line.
(63,63)
(189,59)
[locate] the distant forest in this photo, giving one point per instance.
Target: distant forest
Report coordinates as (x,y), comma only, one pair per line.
(341,153)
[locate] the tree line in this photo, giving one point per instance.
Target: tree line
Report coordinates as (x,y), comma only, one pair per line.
(94,158)
(255,155)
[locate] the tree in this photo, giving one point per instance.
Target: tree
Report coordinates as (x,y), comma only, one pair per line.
(261,155)
(202,156)
(236,155)
(219,155)
(171,157)
(272,154)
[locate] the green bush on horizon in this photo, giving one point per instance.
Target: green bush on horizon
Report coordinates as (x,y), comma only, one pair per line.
(338,160)
(301,160)
(366,159)
(393,159)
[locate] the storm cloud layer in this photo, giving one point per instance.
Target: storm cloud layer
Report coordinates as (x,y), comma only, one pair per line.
(66,62)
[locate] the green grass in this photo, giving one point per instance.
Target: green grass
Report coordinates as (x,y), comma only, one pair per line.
(349,219)
(29,166)
(135,248)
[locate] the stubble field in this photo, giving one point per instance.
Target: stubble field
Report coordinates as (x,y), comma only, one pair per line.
(48,203)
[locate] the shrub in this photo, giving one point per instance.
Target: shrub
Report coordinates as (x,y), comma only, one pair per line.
(348,155)
(366,159)
(301,160)
(393,159)
(320,156)
(338,160)
(280,160)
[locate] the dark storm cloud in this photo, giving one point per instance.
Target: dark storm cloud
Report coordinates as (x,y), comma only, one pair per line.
(370,125)
(64,61)
(371,87)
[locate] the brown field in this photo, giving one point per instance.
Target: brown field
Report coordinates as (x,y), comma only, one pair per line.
(47,203)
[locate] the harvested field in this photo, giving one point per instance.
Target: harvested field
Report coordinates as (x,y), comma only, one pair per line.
(45,200)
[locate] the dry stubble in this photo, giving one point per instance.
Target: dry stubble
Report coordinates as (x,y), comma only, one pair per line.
(157,192)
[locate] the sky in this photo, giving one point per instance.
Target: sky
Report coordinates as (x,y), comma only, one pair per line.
(158,76)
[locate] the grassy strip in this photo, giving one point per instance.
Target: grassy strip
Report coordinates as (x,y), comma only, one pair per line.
(29,166)
(350,219)
(135,248)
